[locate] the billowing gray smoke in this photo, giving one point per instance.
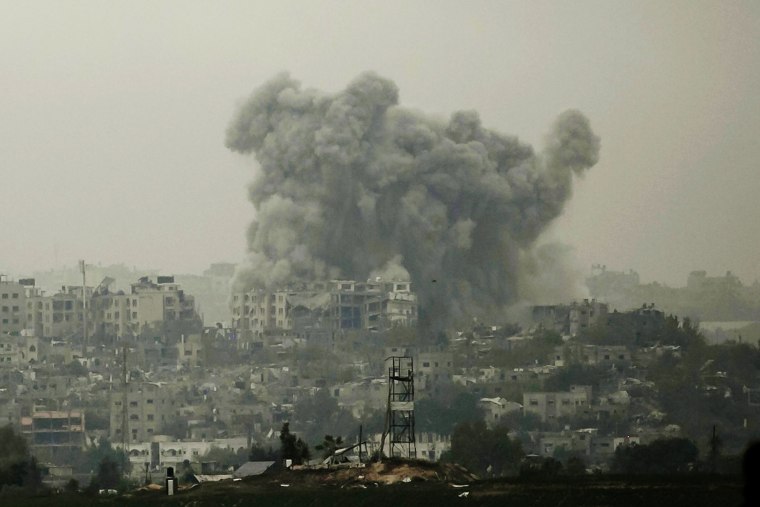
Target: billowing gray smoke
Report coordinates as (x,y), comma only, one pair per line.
(353,186)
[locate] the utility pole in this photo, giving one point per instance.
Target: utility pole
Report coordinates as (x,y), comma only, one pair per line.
(715,445)
(124,410)
(83,269)
(360,443)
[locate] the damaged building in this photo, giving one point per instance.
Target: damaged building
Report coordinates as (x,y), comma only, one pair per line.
(336,305)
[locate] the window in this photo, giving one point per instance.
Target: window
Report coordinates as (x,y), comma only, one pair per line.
(426,365)
(15,295)
(150,417)
(149,402)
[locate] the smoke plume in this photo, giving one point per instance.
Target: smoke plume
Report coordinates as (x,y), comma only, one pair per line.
(352,185)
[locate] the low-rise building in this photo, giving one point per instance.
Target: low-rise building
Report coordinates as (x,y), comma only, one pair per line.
(592,355)
(494,410)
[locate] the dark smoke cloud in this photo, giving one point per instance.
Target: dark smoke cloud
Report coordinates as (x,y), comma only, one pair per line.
(352,185)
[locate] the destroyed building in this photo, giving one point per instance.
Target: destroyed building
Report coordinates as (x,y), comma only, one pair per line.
(569,319)
(335,305)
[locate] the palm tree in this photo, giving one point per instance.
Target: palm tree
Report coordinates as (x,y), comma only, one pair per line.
(329,445)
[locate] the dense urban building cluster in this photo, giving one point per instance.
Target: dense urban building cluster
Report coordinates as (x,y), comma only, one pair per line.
(140,370)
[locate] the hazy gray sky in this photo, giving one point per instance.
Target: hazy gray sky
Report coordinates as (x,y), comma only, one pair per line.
(112,117)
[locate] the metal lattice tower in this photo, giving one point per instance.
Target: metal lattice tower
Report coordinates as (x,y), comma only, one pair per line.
(400,426)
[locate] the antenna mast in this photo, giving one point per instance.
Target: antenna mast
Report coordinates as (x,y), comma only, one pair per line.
(83,269)
(124,411)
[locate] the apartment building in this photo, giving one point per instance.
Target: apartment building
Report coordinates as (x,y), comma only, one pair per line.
(60,315)
(592,355)
(570,319)
(552,405)
(334,305)
(12,306)
(149,406)
(55,433)
(149,303)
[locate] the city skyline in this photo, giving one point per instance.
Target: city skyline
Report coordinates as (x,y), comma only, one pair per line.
(113,119)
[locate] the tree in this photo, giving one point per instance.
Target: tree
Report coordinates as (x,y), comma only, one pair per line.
(485,451)
(226,458)
(287,443)
(576,374)
(329,445)
(108,476)
(320,414)
(33,479)
(441,415)
(663,456)
(97,453)
(186,473)
(293,448)
(258,453)
(303,452)
(575,466)
(16,465)
(72,486)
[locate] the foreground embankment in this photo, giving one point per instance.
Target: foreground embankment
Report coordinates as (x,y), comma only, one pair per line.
(288,490)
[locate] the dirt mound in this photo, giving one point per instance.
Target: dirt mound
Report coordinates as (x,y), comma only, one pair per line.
(389,472)
(385,472)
